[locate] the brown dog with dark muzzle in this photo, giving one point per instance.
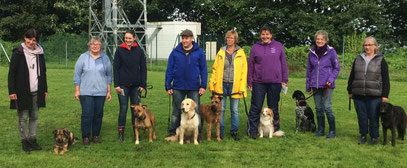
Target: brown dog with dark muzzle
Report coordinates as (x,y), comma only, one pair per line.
(211,114)
(144,119)
(62,139)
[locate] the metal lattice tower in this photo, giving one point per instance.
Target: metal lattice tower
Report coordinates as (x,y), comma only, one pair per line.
(109,21)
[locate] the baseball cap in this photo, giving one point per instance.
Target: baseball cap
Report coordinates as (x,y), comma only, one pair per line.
(187,32)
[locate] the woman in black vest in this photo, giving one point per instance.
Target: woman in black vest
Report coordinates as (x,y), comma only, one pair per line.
(368,86)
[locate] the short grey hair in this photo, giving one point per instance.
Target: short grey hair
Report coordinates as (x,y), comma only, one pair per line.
(374,41)
(95,38)
(323,33)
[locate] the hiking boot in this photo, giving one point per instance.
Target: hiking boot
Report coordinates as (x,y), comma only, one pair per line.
(253,135)
(171,134)
(235,136)
(26,145)
(95,139)
(121,136)
(362,140)
(86,141)
(34,144)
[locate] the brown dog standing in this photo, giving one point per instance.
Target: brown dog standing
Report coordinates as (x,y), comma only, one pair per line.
(62,139)
(211,114)
(143,119)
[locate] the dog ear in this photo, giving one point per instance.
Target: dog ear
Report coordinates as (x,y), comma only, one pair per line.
(220,98)
(54,132)
(132,105)
(66,132)
(193,105)
(144,106)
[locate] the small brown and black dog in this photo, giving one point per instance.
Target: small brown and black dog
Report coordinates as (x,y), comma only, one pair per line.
(144,119)
(62,139)
(211,114)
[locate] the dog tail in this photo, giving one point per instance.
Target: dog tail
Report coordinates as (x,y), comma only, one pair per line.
(171,139)
(278,133)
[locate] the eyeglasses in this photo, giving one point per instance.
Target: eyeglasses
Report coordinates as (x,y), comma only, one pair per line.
(368,45)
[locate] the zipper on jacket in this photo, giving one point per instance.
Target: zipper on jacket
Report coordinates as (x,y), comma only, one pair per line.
(318,76)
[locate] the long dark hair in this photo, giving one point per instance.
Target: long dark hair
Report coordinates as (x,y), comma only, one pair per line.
(32,33)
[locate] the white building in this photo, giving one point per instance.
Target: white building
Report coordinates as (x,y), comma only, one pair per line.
(164,38)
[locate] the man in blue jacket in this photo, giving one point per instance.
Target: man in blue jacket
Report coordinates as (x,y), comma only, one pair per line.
(186,75)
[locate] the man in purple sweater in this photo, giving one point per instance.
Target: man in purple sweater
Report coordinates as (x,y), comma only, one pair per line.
(267,73)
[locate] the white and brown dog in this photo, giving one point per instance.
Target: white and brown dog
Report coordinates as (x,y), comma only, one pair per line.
(266,125)
(188,129)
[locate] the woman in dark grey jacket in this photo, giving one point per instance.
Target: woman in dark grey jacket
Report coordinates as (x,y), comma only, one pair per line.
(368,86)
(27,87)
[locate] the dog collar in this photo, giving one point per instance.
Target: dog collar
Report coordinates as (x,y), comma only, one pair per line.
(141,118)
(193,116)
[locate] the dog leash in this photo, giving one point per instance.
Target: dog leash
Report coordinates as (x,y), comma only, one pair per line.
(318,90)
(244,99)
(145,92)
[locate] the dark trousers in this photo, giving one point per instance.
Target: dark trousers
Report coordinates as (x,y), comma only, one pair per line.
(133,94)
(177,97)
(368,115)
(92,115)
(258,94)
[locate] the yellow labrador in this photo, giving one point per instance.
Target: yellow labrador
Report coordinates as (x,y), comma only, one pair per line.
(188,129)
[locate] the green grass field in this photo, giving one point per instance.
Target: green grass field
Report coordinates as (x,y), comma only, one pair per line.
(293,150)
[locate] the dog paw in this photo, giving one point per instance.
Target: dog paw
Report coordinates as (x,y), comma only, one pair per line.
(219,139)
(181,142)
(151,141)
(137,142)
(208,139)
(196,143)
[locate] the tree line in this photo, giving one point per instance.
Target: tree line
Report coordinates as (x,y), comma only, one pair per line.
(293,22)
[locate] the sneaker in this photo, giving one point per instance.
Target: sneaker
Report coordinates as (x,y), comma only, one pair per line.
(86,142)
(362,140)
(331,135)
(373,141)
(95,139)
(235,136)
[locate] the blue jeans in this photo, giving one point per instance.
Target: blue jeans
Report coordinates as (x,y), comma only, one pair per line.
(133,93)
(368,115)
(177,98)
(92,115)
(234,109)
(258,94)
(323,102)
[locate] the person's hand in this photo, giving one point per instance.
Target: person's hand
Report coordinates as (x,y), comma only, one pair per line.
(328,84)
(46,95)
(309,92)
(251,88)
(201,91)
(13,96)
(350,96)
(108,96)
(385,99)
(118,89)
(283,84)
(140,89)
(170,92)
(77,94)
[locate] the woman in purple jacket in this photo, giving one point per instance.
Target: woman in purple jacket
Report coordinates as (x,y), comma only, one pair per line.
(267,73)
(322,70)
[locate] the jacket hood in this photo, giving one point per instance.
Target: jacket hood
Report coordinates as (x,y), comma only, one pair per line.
(329,49)
(260,42)
(124,45)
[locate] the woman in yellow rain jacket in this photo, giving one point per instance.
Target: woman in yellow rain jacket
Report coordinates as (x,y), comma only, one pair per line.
(229,78)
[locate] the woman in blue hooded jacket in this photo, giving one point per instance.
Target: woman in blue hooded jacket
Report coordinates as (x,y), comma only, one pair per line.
(322,70)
